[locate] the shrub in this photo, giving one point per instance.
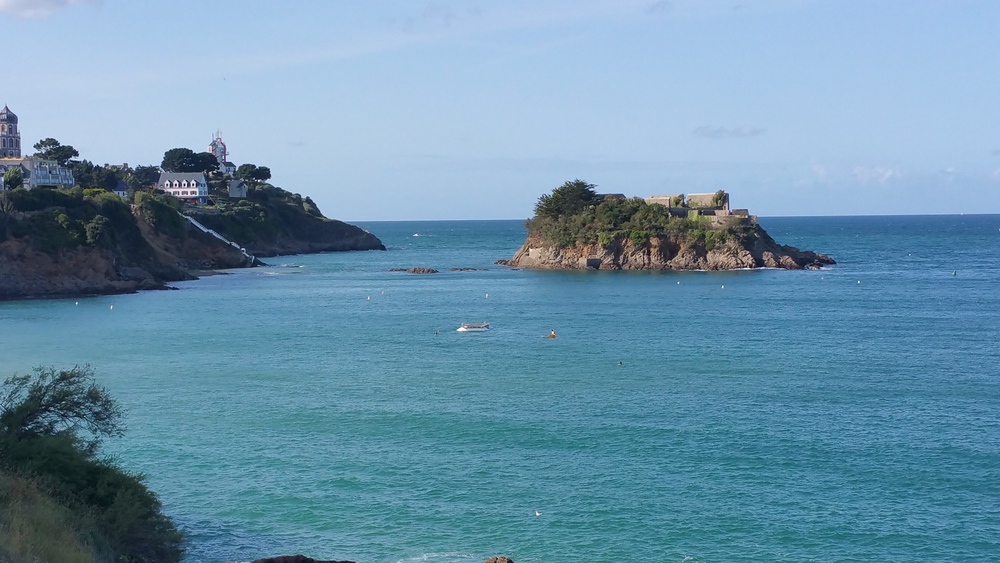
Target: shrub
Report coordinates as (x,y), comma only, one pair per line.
(51,427)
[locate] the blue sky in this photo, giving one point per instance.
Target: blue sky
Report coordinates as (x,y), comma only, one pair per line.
(469,109)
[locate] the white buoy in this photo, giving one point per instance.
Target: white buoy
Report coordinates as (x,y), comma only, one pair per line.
(369,298)
(859,282)
(111,307)
(723,287)
(678,283)
(77,303)
(487,296)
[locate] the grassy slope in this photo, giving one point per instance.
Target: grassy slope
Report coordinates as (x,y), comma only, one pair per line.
(36,527)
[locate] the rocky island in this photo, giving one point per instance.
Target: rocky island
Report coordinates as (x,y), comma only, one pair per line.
(575,228)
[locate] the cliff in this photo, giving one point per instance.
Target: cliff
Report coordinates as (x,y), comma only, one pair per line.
(81,242)
(272,221)
(666,252)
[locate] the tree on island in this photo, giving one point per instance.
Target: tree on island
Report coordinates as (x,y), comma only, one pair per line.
(186,160)
(51,149)
(13,178)
(568,199)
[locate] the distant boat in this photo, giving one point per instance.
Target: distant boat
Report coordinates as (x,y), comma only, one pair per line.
(473,327)
(416,234)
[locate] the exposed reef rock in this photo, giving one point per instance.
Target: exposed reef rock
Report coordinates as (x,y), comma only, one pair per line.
(498,559)
(414,270)
(661,252)
(296,559)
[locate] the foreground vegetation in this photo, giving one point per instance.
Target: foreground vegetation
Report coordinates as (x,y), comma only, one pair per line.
(60,500)
(575,214)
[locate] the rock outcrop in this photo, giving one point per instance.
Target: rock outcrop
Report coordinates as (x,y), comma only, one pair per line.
(295,559)
(414,270)
(498,559)
(664,253)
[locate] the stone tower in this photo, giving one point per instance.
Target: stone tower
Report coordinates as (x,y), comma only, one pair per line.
(218,149)
(10,137)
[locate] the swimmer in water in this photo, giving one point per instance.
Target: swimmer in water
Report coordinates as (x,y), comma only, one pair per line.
(552,334)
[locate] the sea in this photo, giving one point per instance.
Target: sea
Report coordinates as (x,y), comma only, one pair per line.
(325,405)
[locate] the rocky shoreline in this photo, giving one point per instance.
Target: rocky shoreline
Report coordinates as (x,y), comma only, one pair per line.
(29,272)
(665,253)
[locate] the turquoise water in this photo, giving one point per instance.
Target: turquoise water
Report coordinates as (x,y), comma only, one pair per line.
(324,405)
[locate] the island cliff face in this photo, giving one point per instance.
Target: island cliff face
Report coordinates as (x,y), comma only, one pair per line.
(663,252)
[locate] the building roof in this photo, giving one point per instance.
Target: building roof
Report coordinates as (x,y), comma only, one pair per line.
(7,116)
(181,176)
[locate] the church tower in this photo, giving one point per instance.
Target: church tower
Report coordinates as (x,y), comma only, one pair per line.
(10,137)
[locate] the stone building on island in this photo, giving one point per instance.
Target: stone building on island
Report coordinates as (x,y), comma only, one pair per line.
(713,205)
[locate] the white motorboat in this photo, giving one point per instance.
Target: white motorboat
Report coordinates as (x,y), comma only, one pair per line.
(473,327)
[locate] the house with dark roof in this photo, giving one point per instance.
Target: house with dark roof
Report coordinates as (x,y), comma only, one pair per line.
(190,187)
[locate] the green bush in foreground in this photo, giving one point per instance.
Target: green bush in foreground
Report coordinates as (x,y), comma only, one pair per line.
(51,427)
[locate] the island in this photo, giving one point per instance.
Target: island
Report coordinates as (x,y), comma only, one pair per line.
(575,228)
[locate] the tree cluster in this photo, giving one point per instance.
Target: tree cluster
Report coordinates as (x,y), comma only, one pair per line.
(186,160)
(568,199)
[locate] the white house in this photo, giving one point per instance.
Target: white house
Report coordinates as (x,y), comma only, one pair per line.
(187,186)
(38,172)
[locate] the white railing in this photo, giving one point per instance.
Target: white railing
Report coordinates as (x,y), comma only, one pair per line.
(205,229)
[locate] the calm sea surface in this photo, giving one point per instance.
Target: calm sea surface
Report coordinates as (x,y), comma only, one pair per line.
(326,406)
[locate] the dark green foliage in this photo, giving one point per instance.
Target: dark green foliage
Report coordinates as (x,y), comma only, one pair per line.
(631,220)
(51,149)
(186,160)
(568,199)
(57,219)
(719,198)
(87,175)
(161,211)
(13,178)
(142,177)
(51,425)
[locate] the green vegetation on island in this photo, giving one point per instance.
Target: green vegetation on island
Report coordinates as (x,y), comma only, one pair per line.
(575,214)
(60,498)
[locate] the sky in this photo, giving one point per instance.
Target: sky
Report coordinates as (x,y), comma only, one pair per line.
(470,109)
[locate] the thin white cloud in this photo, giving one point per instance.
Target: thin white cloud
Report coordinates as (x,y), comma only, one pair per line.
(881,175)
(39,8)
(744,132)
